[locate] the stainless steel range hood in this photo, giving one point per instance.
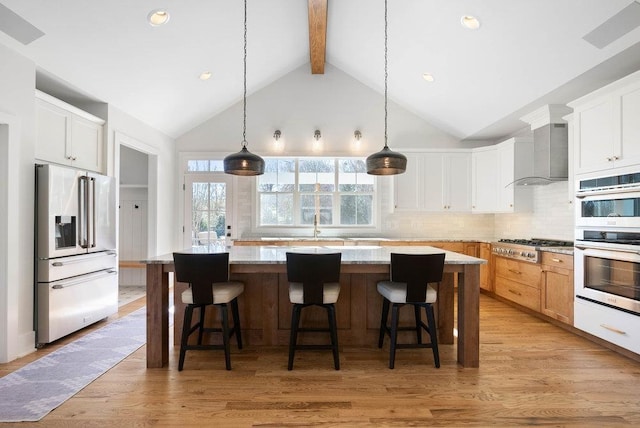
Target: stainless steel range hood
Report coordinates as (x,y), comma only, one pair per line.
(550,146)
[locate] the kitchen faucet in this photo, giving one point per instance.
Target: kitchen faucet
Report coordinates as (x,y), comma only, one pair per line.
(315,226)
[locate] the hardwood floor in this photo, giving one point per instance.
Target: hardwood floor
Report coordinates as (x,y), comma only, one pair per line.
(531,373)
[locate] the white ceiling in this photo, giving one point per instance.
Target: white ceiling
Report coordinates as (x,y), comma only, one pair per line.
(526,53)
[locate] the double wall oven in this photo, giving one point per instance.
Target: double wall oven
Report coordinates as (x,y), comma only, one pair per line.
(607,241)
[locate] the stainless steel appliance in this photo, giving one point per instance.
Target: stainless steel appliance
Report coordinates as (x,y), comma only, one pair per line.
(527,250)
(607,268)
(607,254)
(76,258)
(611,201)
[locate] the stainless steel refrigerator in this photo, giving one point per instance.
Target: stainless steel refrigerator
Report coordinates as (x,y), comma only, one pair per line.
(76,259)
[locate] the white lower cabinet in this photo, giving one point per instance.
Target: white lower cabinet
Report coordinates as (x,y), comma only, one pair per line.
(435,181)
(612,325)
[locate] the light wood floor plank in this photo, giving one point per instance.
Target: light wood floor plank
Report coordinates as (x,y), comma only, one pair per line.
(531,373)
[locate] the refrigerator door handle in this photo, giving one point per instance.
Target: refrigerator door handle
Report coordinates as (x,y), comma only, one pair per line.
(83,225)
(72,261)
(92,229)
(62,285)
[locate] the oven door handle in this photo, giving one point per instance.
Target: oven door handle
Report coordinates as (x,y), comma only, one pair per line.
(621,250)
(622,254)
(580,194)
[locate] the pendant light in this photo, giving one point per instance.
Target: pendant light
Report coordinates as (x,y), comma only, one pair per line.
(386,161)
(244,162)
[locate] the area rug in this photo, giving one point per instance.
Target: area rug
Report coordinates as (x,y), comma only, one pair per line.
(31,392)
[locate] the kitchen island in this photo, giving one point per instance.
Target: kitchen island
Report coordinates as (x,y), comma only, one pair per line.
(265,309)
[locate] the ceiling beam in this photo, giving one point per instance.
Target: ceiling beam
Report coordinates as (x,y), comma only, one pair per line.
(317,34)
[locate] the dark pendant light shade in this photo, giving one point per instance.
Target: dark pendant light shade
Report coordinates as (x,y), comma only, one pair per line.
(243,163)
(386,162)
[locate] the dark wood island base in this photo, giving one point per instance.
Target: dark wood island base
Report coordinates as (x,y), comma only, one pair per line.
(265,310)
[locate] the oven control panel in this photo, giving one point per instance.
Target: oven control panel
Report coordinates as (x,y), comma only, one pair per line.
(523,254)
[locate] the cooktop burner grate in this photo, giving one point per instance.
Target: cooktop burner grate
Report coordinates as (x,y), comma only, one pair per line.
(538,242)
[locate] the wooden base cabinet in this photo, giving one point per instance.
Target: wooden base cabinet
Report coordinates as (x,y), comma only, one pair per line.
(486,278)
(518,281)
(557,287)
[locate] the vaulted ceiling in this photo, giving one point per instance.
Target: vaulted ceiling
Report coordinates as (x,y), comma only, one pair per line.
(526,53)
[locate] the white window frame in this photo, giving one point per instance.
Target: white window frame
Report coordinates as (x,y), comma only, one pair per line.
(329,230)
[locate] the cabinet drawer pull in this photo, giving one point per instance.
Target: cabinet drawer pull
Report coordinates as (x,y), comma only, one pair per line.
(517,272)
(517,293)
(613,329)
(557,260)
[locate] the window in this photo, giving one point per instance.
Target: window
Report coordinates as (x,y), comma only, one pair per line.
(205,166)
(294,192)
(276,187)
(356,193)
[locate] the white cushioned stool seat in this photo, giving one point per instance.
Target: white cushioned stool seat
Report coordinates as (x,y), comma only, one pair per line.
(330,293)
(223,292)
(396,292)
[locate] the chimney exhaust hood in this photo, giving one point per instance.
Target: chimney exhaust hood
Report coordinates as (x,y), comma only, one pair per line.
(550,146)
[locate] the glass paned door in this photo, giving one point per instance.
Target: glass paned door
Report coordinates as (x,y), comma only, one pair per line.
(207,206)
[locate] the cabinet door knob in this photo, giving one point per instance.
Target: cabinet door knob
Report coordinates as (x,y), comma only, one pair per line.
(69,158)
(609,159)
(557,260)
(616,158)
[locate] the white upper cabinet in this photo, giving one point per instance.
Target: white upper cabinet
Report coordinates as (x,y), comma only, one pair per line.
(435,181)
(495,169)
(457,182)
(67,135)
(406,193)
(515,161)
(606,127)
(484,169)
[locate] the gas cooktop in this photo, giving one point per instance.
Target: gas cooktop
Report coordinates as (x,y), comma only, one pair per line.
(525,249)
(538,242)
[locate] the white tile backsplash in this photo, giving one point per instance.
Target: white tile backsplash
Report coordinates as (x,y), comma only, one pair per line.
(552,216)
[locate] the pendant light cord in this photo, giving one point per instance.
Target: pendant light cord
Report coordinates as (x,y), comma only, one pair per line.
(385,74)
(244,94)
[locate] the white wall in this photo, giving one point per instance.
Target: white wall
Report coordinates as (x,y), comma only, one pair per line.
(17,84)
(124,129)
(134,167)
(299,103)
(17,147)
(337,105)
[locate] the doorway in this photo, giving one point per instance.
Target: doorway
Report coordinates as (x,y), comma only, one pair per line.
(207,210)
(133,224)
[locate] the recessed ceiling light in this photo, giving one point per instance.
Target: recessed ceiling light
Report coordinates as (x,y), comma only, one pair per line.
(470,22)
(205,75)
(158,17)
(428,77)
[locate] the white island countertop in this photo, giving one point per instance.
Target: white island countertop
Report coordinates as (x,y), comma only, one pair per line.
(362,254)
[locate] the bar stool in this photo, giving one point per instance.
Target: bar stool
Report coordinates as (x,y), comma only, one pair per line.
(209,285)
(409,284)
(314,279)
